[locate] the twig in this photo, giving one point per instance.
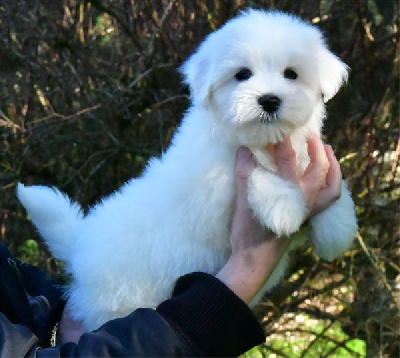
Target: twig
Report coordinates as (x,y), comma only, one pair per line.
(159,24)
(167,100)
(273,350)
(147,72)
(395,162)
(93,170)
(7,122)
(341,345)
(64,117)
(373,260)
(313,341)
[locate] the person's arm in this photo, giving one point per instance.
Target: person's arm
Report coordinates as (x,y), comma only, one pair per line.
(143,333)
(203,318)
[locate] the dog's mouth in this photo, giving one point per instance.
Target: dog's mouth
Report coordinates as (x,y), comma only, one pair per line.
(268,118)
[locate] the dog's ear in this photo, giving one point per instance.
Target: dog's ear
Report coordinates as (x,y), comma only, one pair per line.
(197,72)
(332,73)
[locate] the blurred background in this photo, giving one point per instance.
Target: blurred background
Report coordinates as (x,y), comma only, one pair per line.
(89,90)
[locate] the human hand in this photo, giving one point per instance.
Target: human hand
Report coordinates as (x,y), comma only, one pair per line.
(256,251)
(321,181)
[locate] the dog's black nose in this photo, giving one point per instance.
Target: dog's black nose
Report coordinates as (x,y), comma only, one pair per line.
(269,103)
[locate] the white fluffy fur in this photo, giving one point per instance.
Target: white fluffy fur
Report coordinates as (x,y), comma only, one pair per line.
(130,249)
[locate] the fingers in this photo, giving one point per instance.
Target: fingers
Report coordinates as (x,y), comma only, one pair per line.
(246,231)
(315,173)
(316,149)
(334,175)
(244,165)
(320,182)
(315,176)
(285,158)
(331,191)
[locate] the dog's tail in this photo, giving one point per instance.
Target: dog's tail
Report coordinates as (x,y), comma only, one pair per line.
(54,215)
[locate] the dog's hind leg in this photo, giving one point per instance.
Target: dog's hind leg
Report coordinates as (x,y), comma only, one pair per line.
(333,230)
(54,215)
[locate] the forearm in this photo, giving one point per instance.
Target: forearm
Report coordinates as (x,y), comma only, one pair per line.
(248,269)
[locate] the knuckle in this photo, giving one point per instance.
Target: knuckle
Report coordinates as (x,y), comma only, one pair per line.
(325,165)
(242,174)
(287,157)
(290,155)
(285,153)
(244,170)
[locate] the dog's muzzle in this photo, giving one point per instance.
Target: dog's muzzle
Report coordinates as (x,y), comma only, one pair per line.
(270,104)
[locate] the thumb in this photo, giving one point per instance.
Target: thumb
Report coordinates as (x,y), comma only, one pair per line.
(244,166)
(285,158)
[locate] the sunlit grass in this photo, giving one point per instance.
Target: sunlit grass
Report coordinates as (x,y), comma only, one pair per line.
(310,338)
(29,252)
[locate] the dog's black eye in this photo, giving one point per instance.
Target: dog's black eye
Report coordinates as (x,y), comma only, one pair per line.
(243,74)
(290,74)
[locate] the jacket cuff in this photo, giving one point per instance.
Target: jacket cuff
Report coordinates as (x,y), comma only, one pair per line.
(46,324)
(211,317)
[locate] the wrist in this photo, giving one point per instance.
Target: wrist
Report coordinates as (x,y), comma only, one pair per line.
(246,271)
(238,276)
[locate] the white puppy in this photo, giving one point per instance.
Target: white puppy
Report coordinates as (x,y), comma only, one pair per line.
(261,76)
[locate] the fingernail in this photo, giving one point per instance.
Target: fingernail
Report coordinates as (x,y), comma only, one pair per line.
(329,147)
(243,152)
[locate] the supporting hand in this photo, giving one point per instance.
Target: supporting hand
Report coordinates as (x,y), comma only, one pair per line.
(255,251)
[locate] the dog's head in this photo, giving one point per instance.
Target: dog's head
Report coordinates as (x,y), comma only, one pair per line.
(264,74)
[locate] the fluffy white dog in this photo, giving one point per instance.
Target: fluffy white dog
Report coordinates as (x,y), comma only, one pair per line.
(261,76)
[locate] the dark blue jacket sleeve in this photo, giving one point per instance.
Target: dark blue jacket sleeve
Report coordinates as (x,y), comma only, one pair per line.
(202,318)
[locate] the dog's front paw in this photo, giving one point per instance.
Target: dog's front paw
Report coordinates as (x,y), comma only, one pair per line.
(285,214)
(277,203)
